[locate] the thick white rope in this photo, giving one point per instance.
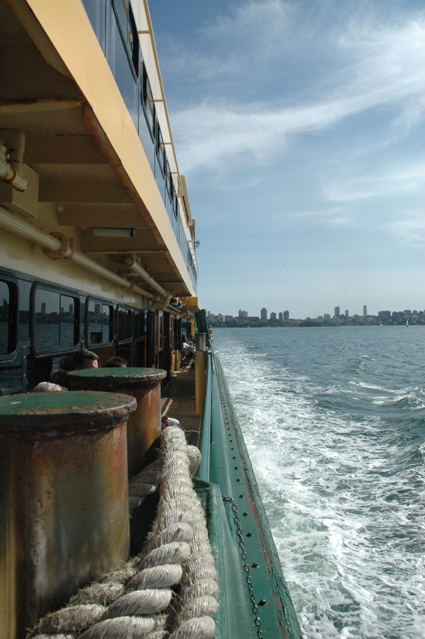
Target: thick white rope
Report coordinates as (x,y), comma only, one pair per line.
(177,552)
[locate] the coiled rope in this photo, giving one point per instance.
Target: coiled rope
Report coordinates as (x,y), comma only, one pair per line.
(137,600)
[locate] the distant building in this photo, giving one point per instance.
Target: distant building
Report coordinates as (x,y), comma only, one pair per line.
(384,315)
(346,313)
(280,317)
(273,316)
(336,311)
(242,314)
(263,314)
(286,316)
(364,310)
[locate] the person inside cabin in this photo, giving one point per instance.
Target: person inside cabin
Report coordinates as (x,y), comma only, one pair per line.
(67,363)
(116,362)
(85,359)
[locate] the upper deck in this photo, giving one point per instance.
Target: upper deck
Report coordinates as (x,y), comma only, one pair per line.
(81,87)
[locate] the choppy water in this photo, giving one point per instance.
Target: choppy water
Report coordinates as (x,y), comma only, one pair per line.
(334,421)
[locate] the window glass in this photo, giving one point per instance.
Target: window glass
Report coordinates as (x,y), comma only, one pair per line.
(46,320)
(94,322)
(7,317)
(160,151)
(122,14)
(148,103)
(140,324)
(119,60)
(134,41)
(107,323)
(124,324)
(67,321)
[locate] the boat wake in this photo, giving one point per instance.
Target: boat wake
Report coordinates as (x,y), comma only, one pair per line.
(342,489)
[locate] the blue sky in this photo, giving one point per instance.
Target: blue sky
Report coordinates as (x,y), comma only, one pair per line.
(300,127)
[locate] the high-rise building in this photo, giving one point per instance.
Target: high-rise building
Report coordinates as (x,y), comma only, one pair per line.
(242,314)
(280,317)
(364,310)
(273,316)
(346,313)
(286,316)
(263,314)
(336,311)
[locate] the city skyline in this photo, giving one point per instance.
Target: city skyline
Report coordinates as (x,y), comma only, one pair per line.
(264,314)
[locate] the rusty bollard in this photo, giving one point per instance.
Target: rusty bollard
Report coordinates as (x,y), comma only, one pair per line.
(63,498)
(144,384)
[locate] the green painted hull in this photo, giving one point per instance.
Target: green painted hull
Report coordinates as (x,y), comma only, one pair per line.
(254,597)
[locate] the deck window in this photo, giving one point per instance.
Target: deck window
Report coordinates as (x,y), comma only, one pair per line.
(107,323)
(140,321)
(148,104)
(160,151)
(54,321)
(133,41)
(124,324)
(99,322)
(67,322)
(8,299)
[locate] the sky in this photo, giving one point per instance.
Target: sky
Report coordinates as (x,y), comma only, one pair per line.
(300,128)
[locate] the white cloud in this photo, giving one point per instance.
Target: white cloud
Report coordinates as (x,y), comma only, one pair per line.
(327,217)
(409,230)
(403,180)
(379,68)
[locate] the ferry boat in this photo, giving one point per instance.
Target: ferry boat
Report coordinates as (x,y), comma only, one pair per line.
(98,256)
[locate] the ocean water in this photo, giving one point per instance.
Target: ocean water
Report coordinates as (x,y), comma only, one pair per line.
(334,422)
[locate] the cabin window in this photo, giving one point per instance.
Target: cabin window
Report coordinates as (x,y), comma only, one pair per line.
(55,326)
(140,321)
(67,322)
(107,323)
(121,12)
(148,104)
(8,303)
(46,321)
(124,324)
(99,322)
(160,151)
(133,41)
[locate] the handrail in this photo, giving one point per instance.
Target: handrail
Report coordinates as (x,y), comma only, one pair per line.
(203,471)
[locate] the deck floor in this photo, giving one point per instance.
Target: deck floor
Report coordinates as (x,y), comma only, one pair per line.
(178,401)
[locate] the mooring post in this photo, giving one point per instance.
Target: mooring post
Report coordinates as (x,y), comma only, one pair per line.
(144,384)
(63,498)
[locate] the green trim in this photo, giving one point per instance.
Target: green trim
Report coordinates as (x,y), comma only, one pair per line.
(245,524)
(203,471)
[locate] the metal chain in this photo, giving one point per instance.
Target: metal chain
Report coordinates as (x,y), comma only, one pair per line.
(248,578)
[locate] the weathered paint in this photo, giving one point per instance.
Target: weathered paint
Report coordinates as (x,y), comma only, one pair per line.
(144,384)
(63,498)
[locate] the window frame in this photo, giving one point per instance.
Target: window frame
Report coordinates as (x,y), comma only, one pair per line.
(60,292)
(12,337)
(130,312)
(102,303)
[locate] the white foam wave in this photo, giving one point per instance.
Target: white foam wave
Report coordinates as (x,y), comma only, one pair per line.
(343,519)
